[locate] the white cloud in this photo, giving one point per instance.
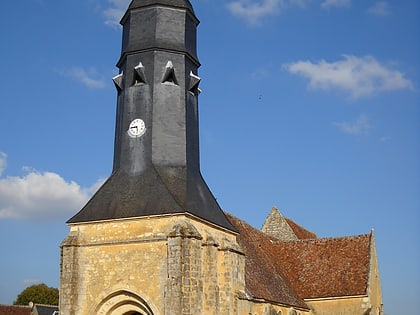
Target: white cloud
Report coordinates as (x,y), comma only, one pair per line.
(3,162)
(335,4)
(41,196)
(359,76)
(360,126)
(380,8)
(114,13)
(254,11)
(86,77)
(300,3)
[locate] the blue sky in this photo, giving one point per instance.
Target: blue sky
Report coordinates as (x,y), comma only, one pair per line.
(308,105)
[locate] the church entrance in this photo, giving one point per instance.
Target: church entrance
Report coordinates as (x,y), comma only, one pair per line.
(123,303)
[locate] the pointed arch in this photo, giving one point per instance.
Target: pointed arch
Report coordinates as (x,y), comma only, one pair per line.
(123,303)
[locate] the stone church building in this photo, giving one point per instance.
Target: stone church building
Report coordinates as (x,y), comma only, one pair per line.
(154,241)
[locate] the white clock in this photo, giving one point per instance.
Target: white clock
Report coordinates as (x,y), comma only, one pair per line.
(137,128)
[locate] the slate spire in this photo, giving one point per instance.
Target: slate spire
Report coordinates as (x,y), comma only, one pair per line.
(156,167)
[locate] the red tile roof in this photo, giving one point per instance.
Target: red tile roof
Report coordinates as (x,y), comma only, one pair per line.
(15,310)
(327,267)
(289,271)
(262,280)
(300,231)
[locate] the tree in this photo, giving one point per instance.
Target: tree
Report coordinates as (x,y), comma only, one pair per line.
(38,294)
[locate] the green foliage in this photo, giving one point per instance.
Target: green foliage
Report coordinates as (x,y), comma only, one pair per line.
(39,294)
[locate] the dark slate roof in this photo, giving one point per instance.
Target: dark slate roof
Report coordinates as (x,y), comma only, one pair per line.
(137,4)
(121,197)
(158,175)
(288,272)
(15,310)
(185,4)
(46,309)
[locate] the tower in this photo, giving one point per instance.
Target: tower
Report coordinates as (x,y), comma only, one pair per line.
(156,155)
(153,239)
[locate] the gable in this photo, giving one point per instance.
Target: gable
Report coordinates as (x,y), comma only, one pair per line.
(277,226)
(284,229)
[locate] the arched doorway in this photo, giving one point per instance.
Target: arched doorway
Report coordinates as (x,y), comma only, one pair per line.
(123,303)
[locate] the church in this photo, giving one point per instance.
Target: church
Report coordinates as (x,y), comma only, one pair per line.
(154,241)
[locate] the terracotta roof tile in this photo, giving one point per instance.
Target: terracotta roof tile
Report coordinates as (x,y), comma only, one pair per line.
(326,267)
(300,231)
(289,271)
(262,280)
(14,310)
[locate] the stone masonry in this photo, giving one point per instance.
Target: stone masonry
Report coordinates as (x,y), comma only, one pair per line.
(276,226)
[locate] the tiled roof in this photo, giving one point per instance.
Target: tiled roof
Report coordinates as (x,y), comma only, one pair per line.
(14,310)
(300,231)
(326,267)
(289,271)
(262,280)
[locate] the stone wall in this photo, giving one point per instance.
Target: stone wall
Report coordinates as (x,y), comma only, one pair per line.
(252,307)
(168,265)
(358,305)
(173,265)
(374,287)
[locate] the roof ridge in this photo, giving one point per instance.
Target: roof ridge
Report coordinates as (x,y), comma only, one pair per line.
(271,238)
(323,239)
(300,231)
(49,305)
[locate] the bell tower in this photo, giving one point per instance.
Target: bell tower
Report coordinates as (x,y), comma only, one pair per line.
(156,153)
(153,240)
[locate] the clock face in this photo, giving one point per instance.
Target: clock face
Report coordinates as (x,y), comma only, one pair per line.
(137,128)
